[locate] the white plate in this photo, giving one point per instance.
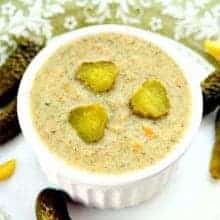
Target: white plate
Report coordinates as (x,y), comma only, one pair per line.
(191,194)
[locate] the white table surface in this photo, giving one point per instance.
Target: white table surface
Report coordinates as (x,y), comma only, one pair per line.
(190,195)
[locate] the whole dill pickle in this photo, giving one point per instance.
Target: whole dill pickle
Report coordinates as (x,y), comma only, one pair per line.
(51,205)
(211,92)
(215,159)
(9,126)
(13,68)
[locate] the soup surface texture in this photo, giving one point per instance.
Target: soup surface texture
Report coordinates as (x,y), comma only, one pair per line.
(130,142)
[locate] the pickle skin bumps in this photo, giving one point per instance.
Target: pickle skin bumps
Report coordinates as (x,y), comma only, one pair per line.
(51,204)
(9,126)
(13,68)
(211,92)
(214,166)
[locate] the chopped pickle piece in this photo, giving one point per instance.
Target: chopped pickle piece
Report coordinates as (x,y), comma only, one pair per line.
(215,159)
(89,122)
(98,76)
(7,169)
(150,100)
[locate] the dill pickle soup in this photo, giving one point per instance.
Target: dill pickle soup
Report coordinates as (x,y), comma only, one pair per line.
(127,141)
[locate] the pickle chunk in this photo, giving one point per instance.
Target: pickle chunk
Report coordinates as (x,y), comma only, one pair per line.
(98,76)
(150,100)
(89,122)
(7,169)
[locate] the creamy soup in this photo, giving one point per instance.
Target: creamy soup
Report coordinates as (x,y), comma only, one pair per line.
(130,142)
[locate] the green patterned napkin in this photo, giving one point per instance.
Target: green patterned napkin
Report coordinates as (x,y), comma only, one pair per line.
(188,21)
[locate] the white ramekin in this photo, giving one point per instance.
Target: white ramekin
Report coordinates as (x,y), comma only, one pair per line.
(109,191)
